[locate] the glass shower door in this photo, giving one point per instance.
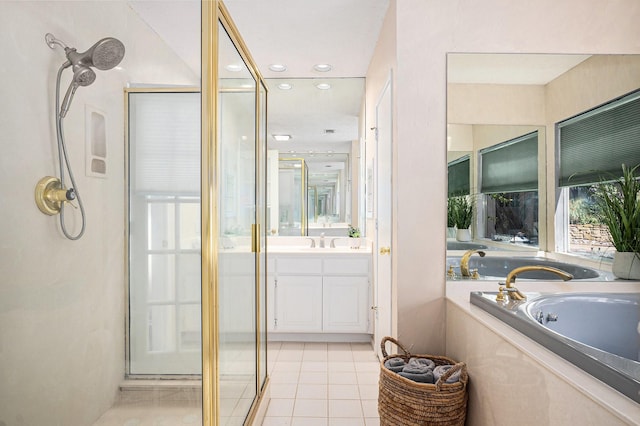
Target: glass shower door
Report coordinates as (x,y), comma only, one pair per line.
(237,250)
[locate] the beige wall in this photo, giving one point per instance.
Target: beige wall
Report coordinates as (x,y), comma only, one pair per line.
(425,32)
(62,302)
(382,68)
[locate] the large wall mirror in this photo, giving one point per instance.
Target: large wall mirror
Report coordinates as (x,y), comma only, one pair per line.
(502,111)
(317,122)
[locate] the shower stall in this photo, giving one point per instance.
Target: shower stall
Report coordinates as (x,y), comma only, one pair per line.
(157,313)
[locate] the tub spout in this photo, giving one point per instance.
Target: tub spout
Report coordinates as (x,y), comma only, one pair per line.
(515,294)
(464,261)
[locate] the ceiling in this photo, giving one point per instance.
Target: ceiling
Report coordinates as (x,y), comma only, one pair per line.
(343,33)
(298,34)
(511,68)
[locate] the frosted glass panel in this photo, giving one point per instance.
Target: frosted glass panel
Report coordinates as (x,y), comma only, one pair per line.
(189,324)
(190,225)
(162,272)
(162,336)
(162,227)
(189,277)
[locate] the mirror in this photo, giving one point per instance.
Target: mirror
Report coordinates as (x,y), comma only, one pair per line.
(496,101)
(316,120)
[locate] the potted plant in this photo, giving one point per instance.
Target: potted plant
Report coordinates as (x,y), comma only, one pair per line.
(618,205)
(354,237)
(451,219)
(462,215)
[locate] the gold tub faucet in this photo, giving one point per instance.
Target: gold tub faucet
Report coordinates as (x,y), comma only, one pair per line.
(464,261)
(514,293)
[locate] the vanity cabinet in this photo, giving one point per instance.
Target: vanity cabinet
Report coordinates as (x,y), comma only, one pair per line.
(319,294)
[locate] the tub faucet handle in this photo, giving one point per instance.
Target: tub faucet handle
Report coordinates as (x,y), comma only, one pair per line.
(451,273)
(500,297)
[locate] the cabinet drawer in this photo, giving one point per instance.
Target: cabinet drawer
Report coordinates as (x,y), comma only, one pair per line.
(348,266)
(299,265)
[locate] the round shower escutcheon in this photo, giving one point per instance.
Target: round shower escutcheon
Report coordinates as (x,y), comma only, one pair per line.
(47,194)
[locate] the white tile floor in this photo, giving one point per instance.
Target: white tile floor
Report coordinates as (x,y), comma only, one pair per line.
(328,384)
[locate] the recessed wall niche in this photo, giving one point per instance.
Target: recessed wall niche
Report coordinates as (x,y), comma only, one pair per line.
(95,142)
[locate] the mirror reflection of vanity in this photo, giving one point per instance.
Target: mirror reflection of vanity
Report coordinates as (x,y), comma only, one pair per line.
(494,103)
(315,121)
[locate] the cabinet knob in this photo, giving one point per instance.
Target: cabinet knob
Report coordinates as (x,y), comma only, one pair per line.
(385,250)
(374,308)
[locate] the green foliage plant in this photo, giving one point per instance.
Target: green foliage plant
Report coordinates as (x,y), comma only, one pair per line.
(354,232)
(619,208)
(462,208)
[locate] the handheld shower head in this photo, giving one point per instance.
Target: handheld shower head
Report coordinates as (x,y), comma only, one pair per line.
(83,76)
(104,55)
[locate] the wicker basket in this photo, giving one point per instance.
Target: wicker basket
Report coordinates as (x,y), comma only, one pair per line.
(403,402)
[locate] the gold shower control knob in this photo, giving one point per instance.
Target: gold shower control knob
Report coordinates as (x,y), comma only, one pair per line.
(49,195)
(385,250)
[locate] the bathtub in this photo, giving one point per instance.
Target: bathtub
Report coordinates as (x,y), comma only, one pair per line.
(496,267)
(460,245)
(597,332)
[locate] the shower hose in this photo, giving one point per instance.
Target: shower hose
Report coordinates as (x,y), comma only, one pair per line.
(63,159)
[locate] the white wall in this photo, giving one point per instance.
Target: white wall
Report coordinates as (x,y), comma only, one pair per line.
(62,303)
(425,32)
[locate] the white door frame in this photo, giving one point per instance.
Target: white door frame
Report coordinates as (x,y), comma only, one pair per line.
(383,217)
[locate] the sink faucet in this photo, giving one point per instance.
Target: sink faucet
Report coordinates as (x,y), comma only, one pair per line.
(322,240)
(333,243)
(313,242)
(515,294)
(464,262)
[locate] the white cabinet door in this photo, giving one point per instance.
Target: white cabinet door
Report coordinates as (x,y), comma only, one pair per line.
(345,301)
(298,301)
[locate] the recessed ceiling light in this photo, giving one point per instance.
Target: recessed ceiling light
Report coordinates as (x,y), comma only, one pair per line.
(234,67)
(329,152)
(323,86)
(322,67)
(285,86)
(277,67)
(282,138)
(292,152)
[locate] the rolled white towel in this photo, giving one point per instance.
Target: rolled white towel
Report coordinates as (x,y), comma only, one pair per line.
(441,369)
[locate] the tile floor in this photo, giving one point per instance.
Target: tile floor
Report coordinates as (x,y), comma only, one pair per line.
(328,384)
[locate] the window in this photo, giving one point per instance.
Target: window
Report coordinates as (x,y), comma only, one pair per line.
(164,233)
(458,176)
(509,188)
(591,150)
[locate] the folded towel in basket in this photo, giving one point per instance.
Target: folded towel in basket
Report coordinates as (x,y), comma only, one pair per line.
(426,362)
(426,377)
(395,364)
(441,369)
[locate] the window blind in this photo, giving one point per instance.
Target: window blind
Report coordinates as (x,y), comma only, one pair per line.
(594,145)
(459,177)
(511,166)
(164,142)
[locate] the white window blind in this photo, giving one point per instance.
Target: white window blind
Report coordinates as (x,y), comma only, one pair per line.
(164,142)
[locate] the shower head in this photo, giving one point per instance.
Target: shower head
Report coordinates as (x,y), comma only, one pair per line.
(83,76)
(104,55)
